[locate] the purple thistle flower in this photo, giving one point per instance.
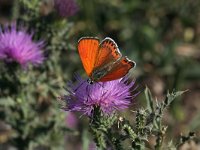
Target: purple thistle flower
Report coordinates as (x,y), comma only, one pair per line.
(18,46)
(109,96)
(66,8)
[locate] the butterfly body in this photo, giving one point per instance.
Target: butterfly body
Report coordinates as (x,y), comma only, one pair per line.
(103,61)
(98,73)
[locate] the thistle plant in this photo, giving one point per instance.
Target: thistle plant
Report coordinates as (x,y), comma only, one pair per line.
(109,129)
(30,47)
(66,8)
(17,46)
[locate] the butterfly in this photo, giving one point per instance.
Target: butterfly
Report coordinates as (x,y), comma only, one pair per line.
(103,61)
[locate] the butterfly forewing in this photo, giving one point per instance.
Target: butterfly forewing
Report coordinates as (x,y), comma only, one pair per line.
(88,49)
(119,69)
(108,53)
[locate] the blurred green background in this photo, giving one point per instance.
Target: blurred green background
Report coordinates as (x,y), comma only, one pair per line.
(162,37)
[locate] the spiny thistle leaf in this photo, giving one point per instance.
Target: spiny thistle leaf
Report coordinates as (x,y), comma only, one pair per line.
(172,96)
(149,99)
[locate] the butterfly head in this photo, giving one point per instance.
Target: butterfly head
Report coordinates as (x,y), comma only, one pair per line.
(90,81)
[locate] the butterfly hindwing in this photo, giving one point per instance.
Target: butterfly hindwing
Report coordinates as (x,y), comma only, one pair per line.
(119,69)
(88,49)
(108,53)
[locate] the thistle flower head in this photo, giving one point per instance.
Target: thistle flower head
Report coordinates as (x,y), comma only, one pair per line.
(108,96)
(18,46)
(66,8)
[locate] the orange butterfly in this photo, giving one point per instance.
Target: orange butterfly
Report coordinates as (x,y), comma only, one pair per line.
(103,61)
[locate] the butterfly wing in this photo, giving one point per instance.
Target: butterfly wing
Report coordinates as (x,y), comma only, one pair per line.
(108,53)
(88,50)
(119,69)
